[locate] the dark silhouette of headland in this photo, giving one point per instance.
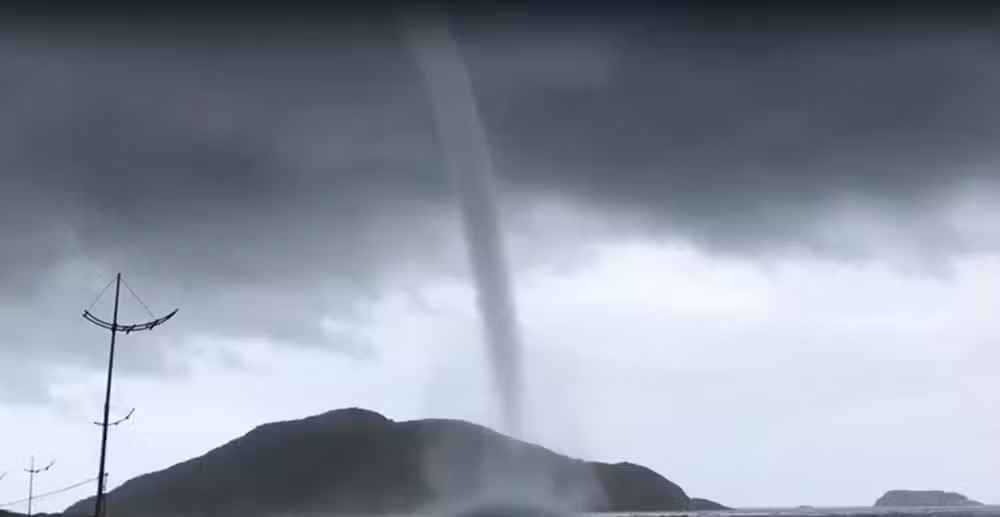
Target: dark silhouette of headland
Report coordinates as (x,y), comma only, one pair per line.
(360,462)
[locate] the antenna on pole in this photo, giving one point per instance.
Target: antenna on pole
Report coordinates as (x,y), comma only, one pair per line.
(115,328)
(31,479)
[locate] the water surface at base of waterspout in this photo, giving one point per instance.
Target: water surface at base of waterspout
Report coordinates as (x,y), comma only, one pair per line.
(507,510)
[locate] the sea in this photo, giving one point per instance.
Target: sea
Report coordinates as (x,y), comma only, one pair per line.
(809,511)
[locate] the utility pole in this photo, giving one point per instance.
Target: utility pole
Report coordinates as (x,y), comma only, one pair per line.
(31,479)
(115,328)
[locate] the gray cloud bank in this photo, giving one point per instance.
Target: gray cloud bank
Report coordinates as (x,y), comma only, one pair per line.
(264,178)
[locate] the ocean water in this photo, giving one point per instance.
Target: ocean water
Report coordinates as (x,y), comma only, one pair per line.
(856,511)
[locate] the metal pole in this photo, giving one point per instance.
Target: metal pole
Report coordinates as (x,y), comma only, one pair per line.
(31,480)
(99,504)
(31,484)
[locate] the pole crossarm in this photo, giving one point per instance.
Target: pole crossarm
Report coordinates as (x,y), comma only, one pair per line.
(40,470)
(120,420)
(128,329)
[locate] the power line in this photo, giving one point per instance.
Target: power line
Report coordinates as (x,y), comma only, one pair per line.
(100,294)
(136,296)
(51,492)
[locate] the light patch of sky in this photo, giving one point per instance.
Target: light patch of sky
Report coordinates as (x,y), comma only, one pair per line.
(754,383)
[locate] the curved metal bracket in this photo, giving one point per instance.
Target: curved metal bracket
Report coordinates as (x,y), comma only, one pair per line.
(43,469)
(120,420)
(149,325)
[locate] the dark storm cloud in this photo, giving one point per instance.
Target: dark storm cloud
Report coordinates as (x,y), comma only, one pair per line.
(263,177)
(745,138)
(256,185)
(215,145)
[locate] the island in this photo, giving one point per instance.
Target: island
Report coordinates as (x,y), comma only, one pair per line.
(909,498)
(699,504)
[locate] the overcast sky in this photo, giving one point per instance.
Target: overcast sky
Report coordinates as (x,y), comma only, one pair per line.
(758,252)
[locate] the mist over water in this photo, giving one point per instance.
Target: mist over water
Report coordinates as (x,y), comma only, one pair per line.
(466,152)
